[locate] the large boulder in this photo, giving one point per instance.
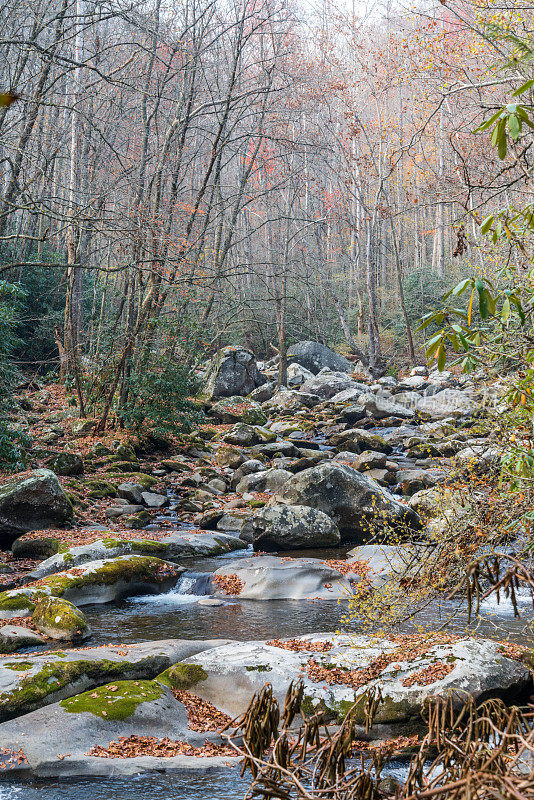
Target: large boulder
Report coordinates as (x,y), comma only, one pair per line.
(272,578)
(315,356)
(239,409)
(448,403)
(327,384)
(32,503)
(269,480)
(233,371)
(290,528)
(357,504)
(175,545)
(408,672)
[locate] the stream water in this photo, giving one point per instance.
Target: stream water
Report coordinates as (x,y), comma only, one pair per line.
(178,614)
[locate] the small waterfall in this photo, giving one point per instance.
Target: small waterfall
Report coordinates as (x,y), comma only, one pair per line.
(189,588)
(193,583)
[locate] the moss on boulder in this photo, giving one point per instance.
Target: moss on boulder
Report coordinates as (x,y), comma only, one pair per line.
(95,582)
(116,701)
(60,619)
(183,676)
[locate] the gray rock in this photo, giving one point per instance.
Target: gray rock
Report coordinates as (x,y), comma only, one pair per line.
(133,492)
(414,480)
(56,740)
(290,400)
(354,413)
(15,637)
(448,403)
(228,456)
(153,500)
(358,440)
(315,356)
(357,504)
(413,383)
(385,563)
(233,371)
(269,480)
(55,676)
(32,503)
(122,510)
(263,393)
(232,522)
(291,528)
(479,458)
(272,578)
(297,375)
(249,467)
(347,395)
(370,459)
(381,407)
(477,668)
(241,434)
(239,409)
(327,384)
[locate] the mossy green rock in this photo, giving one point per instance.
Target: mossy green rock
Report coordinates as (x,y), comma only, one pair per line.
(98,489)
(114,701)
(66,464)
(32,682)
(183,676)
(96,582)
(60,619)
(239,409)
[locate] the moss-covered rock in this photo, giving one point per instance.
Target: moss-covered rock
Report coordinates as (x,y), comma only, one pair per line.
(136,521)
(239,409)
(142,478)
(116,701)
(36,546)
(98,489)
(60,619)
(183,676)
(97,582)
(66,464)
(28,684)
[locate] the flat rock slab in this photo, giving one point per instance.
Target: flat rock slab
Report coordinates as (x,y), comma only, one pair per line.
(170,547)
(408,671)
(272,578)
(57,740)
(29,681)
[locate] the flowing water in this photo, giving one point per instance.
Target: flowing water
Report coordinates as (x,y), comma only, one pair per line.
(178,614)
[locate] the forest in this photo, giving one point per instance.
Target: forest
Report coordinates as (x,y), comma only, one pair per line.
(266,399)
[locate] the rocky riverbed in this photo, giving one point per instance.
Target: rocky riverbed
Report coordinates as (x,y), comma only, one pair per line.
(229,560)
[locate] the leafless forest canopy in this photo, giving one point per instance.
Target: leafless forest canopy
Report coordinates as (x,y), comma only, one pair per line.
(175,177)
